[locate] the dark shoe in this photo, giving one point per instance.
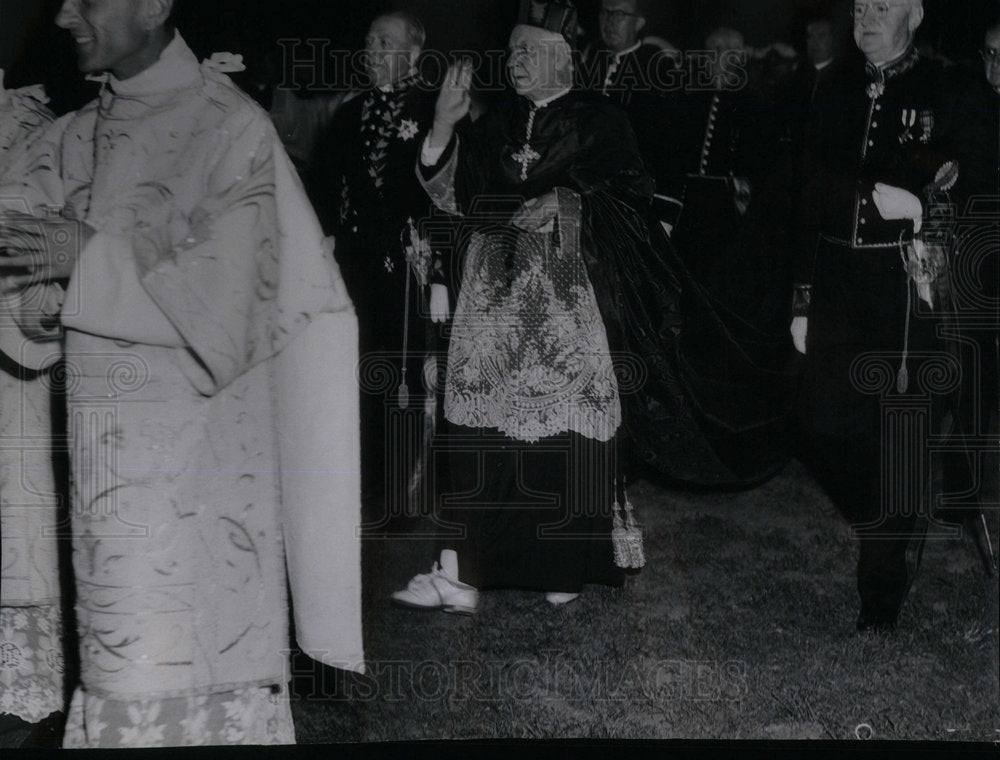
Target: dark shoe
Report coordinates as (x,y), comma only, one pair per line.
(877,621)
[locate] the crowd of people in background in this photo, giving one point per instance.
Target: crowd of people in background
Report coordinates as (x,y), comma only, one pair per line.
(279,322)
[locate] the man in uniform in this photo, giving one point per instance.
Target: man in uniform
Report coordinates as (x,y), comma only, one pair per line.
(866,331)
(368,195)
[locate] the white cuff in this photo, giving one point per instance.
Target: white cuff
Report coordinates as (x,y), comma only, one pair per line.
(430,156)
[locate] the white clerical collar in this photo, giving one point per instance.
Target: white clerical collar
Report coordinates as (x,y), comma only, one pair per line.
(622,53)
(545,101)
(176,67)
(823,64)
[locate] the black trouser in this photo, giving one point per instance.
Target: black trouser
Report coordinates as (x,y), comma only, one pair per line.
(390,440)
(850,472)
(868,435)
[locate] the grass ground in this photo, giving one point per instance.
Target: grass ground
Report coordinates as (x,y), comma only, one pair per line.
(740,627)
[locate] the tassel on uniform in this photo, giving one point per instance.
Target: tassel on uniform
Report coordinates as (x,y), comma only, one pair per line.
(626,538)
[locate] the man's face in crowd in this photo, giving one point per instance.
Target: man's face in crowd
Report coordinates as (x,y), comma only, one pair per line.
(991,46)
(389,52)
(724,44)
(111,35)
(534,61)
(620,24)
(819,41)
(884,39)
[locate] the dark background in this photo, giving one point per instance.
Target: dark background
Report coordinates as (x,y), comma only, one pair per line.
(33,50)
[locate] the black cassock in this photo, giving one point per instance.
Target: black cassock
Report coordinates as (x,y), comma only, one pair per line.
(697,399)
(722,155)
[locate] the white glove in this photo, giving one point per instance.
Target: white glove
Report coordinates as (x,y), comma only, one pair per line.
(896,203)
(799,329)
(439,303)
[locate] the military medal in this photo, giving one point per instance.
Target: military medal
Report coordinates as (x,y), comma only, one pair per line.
(926,125)
(909,119)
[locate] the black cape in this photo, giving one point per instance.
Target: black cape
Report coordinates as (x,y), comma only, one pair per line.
(705,394)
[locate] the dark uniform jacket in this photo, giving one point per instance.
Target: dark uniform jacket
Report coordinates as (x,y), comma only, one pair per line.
(868,126)
(369,190)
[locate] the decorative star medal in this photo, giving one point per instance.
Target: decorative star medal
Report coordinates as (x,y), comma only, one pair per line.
(408,129)
(876,89)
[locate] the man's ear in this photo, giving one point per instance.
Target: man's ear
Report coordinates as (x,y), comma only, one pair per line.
(916,16)
(155,13)
(564,55)
(640,23)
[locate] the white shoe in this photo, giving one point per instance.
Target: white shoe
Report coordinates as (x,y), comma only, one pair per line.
(558,598)
(438,591)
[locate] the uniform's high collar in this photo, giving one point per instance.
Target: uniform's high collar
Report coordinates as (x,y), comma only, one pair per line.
(892,69)
(176,68)
(401,86)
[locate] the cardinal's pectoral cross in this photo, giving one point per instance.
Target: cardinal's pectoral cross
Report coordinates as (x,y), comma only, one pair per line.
(525,157)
